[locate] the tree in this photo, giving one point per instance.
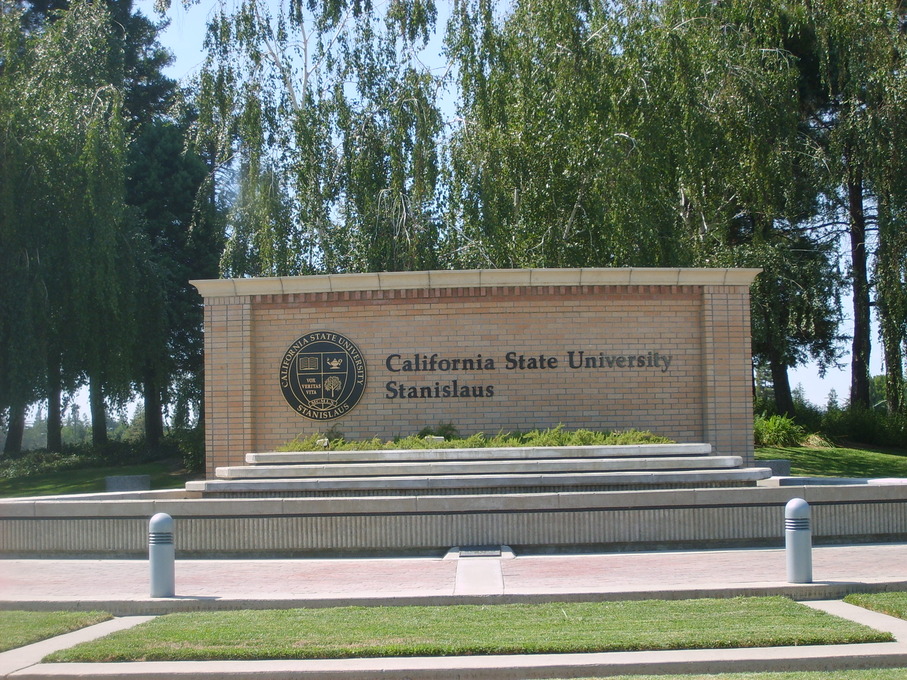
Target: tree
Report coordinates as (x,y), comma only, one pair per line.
(170,232)
(850,57)
(796,308)
(326,123)
(64,200)
(640,133)
(158,246)
(21,332)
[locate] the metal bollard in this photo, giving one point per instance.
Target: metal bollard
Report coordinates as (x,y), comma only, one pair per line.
(798,541)
(161,555)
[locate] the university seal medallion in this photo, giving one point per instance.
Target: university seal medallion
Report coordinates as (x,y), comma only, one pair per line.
(322,375)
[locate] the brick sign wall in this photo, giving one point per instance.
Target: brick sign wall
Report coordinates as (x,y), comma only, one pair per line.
(386,355)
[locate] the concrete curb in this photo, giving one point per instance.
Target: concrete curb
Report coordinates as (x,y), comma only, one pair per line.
(515,667)
(159,606)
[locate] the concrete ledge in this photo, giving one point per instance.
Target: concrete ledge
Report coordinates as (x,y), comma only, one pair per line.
(483,454)
(502,468)
(467,483)
(779,467)
(480,278)
(146,606)
(423,524)
(128,482)
(189,504)
(513,667)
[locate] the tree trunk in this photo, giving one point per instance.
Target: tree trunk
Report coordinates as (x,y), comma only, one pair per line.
(154,416)
(98,413)
(894,377)
(54,405)
(891,302)
(16,429)
(860,351)
(784,401)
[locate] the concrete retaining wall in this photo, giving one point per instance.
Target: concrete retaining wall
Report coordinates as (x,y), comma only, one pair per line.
(700,518)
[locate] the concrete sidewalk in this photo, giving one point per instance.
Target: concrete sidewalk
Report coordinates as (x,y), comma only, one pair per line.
(121,587)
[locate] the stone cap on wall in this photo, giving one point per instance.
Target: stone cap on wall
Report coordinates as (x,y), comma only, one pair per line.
(482,278)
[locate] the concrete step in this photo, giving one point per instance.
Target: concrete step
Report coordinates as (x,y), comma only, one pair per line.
(477,467)
(504,453)
(476,483)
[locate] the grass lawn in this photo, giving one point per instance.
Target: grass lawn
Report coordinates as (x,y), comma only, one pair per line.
(839,462)
(893,604)
(19,628)
(164,475)
(474,629)
(869,674)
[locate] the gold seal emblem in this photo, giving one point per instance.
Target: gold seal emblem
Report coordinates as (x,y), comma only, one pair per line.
(322,375)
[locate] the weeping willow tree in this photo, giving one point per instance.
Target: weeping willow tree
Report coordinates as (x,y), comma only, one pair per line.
(644,134)
(326,129)
(614,134)
(63,147)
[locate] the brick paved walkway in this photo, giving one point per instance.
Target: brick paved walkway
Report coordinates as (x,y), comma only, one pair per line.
(301,580)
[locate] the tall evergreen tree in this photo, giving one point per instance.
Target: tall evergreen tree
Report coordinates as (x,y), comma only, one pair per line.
(168,230)
(850,54)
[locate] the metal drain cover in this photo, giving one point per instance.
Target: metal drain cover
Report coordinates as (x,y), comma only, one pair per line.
(480,551)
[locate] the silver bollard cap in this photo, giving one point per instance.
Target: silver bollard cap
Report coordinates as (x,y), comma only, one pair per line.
(161,523)
(796,508)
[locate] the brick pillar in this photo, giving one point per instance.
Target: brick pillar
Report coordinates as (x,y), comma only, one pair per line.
(228,381)
(727,371)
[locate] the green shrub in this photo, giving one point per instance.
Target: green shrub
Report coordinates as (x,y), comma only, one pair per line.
(446,430)
(39,462)
(808,415)
(557,436)
(777,430)
(191,446)
(865,426)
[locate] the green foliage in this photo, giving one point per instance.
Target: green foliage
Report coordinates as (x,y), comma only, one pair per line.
(20,628)
(550,437)
(62,205)
(82,468)
(326,121)
(446,430)
(630,133)
(777,430)
(81,456)
(870,427)
(41,462)
(191,445)
(173,240)
(866,426)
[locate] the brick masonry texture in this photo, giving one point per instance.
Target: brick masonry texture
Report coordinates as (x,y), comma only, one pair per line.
(673,358)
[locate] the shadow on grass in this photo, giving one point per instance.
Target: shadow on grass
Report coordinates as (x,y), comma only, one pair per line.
(839,461)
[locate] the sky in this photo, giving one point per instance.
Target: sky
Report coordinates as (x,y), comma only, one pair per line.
(184,38)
